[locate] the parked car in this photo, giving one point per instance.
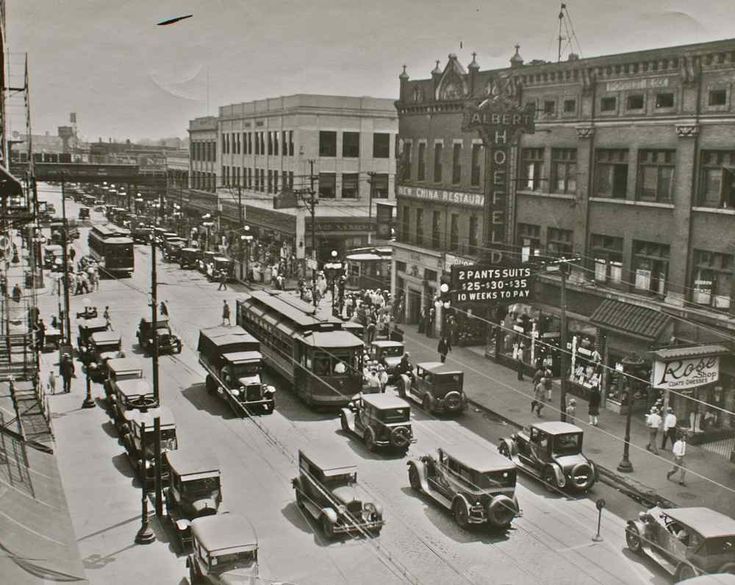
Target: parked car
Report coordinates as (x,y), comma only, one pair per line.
(140,445)
(168,342)
(119,369)
(172,248)
(436,387)
(221,265)
(380,420)
(102,346)
(189,257)
(53,255)
(141,233)
(83,213)
(552,452)
(224,550)
(206,262)
(194,491)
(388,353)
(687,542)
(86,328)
(327,490)
(713,579)
(475,483)
(128,395)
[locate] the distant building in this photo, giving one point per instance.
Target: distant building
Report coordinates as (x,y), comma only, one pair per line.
(203,153)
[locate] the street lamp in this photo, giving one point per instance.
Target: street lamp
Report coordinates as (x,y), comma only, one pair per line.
(88,401)
(630,366)
(332,269)
(245,238)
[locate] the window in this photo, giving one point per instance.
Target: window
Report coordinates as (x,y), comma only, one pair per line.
(712,279)
(275,181)
(717,187)
(635,102)
(563,170)
(456,163)
(406,162)
(529,239)
(611,173)
(275,142)
(438,150)
(350,185)
(419,227)
(290,179)
(664,100)
(717,97)
(549,107)
(290,143)
(327,185)
(422,162)
(532,168)
(257,142)
(570,106)
(406,224)
(559,242)
(607,252)
(474,223)
(454,231)
(284,143)
(655,175)
(650,266)
(608,104)
(476,161)
(379,183)
(284,180)
(436,223)
(381,145)
(350,144)
(327,143)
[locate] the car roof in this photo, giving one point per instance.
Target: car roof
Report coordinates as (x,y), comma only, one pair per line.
(185,462)
(124,364)
(387,343)
(557,427)
(105,337)
(330,460)
(713,579)
(134,387)
(438,368)
(708,523)
(160,319)
(243,356)
(224,531)
(384,401)
(479,458)
(332,339)
(148,417)
(92,323)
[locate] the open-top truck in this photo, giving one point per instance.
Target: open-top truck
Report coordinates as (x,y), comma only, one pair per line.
(232,359)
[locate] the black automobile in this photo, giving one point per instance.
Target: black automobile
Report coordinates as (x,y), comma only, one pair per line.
(168,342)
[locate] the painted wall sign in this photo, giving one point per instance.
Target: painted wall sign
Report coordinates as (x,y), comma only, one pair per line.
(651,82)
(477,283)
(441,196)
(686,373)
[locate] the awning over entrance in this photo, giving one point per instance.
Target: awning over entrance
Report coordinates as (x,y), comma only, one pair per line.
(629,319)
(677,353)
(9,185)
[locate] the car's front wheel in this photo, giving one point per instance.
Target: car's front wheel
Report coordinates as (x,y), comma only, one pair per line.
(549,479)
(504,450)
(370,439)
(414,479)
(343,423)
(461,513)
(327,527)
(633,539)
(684,571)
(426,403)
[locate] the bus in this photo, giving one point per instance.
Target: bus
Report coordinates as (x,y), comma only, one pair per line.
(369,268)
(321,360)
(112,247)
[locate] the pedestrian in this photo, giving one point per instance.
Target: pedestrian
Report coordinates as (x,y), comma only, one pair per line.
(537,375)
(51,382)
(72,253)
(538,397)
(41,334)
(548,385)
(17,293)
(443,348)
(373,382)
(164,309)
(593,406)
(106,317)
(653,422)
(571,411)
(519,361)
(226,313)
(67,371)
(222,280)
(669,427)
(383,378)
(370,332)
(679,451)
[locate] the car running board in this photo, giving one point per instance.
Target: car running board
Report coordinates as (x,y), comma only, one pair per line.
(662,560)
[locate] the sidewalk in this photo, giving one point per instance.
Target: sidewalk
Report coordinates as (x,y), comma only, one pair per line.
(490,386)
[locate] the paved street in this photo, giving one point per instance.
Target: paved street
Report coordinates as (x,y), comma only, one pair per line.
(550,543)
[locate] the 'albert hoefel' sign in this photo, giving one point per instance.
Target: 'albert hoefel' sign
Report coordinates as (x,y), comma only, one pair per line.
(477,283)
(679,374)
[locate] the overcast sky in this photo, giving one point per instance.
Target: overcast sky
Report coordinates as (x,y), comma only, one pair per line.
(128,78)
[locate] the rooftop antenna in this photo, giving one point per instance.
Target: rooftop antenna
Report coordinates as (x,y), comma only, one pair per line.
(566,33)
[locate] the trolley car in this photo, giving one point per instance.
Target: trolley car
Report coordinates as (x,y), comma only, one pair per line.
(112,247)
(318,357)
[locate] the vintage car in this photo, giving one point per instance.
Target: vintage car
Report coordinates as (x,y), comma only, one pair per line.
(189,257)
(83,213)
(435,386)
(89,312)
(221,265)
(86,328)
(141,233)
(140,445)
(119,369)
(168,342)
(53,258)
(127,395)
(206,262)
(713,579)
(172,247)
(475,483)
(224,551)
(102,346)
(687,542)
(551,451)
(388,353)
(327,490)
(380,420)
(194,491)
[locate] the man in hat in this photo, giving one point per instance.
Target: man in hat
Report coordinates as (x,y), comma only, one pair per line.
(67,371)
(373,382)
(669,427)
(653,422)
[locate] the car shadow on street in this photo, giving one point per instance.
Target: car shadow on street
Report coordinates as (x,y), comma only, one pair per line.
(109,429)
(122,464)
(301,520)
(358,447)
(291,407)
(443,520)
(202,400)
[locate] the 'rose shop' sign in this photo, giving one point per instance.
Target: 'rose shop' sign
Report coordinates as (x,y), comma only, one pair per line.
(685,373)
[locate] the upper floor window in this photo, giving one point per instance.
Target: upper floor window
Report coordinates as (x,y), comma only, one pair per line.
(611,173)
(650,266)
(406,224)
(570,106)
(406,162)
(379,184)
(529,239)
(476,162)
(421,176)
(454,231)
(607,252)
(436,227)
(559,242)
(608,104)
(656,175)
(563,170)
(549,107)
(664,100)
(532,169)
(327,185)
(473,237)
(327,143)
(712,279)
(456,163)
(381,145)
(350,144)
(634,102)
(717,97)
(717,187)
(350,185)
(420,227)
(438,151)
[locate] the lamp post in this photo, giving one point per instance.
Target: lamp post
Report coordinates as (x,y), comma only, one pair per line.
(144,535)
(630,365)
(246,238)
(88,401)
(332,269)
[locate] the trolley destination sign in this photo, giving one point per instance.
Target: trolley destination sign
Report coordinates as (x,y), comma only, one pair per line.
(478,283)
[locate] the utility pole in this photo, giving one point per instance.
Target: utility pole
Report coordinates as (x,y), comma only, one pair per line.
(564,378)
(312,210)
(371,178)
(65,260)
(156,388)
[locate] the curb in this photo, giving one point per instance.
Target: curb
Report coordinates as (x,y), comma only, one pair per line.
(631,488)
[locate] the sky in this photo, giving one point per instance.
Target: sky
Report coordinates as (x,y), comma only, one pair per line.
(125,77)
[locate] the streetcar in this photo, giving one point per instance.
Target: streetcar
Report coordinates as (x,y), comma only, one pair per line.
(112,247)
(320,359)
(369,268)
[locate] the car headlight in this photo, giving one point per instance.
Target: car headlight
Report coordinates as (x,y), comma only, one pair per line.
(270,389)
(148,464)
(236,392)
(341,509)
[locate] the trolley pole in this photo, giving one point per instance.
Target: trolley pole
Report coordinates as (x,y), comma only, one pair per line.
(65,260)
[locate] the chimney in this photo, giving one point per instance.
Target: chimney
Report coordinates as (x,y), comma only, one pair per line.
(474,69)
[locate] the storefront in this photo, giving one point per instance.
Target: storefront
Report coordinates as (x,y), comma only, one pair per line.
(417,279)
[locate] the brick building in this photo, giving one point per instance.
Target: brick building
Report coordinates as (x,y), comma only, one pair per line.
(630,170)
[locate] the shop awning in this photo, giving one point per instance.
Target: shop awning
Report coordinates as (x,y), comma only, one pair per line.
(9,185)
(629,319)
(677,353)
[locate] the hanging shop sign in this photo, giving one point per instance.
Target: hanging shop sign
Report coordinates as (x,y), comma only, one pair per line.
(679,374)
(478,283)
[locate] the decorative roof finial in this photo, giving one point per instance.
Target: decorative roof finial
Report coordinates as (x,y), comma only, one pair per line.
(437,70)
(516,60)
(403,74)
(474,64)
